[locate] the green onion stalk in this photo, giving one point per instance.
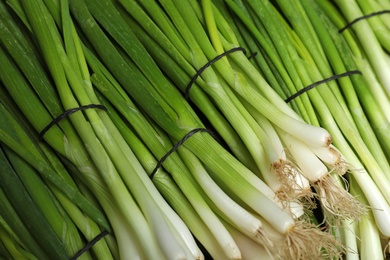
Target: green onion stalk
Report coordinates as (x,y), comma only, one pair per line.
(377,99)
(10,248)
(370,244)
(294,63)
(159,144)
(125,216)
(137,59)
(324,159)
(39,192)
(17,229)
(164,59)
(371,33)
(358,132)
(55,208)
(337,137)
(129,62)
(238,82)
(112,157)
(29,63)
(380,24)
(171,192)
(40,230)
(15,137)
(375,167)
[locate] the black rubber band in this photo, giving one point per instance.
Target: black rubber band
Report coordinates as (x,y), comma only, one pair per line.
(254,54)
(66,114)
(89,245)
(300,92)
(362,18)
(208,64)
(177,145)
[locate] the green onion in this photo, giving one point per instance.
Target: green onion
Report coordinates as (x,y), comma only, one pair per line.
(199,144)
(197,147)
(36,223)
(368,40)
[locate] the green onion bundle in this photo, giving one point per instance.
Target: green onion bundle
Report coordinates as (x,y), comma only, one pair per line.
(184,129)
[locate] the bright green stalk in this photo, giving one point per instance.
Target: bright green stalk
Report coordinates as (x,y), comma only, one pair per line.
(284,65)
(34,110)
(177,169)
(372,163)
(376,96)
(100,152)
(211,25)
(144,184)
(58,219)
(256,137)
(8,234)
(379,27)
(205,147)
(24,52)
(148,162)
(176,72)
(17,229)
(311,51)
(10,249)
(367,38)
(16,6)
(339,117)
(370,238)
(267,68)
(330,44)
(260,34)
(333,13)
(30,214)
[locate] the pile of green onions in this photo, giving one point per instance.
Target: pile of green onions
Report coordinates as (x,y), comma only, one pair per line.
(173,157)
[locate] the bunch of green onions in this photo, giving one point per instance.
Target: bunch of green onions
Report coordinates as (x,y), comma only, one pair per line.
(245,182)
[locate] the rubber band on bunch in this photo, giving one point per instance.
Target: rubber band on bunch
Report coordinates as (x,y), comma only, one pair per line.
(363,18)
(66,114)
(177,146)
(208,64)
(89,245)
(315,84)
